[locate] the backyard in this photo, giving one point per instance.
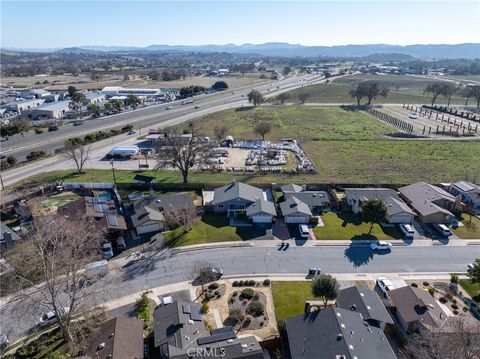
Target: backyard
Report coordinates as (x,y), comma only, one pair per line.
(348,226)
(403,89)
(289,298)
(207,229)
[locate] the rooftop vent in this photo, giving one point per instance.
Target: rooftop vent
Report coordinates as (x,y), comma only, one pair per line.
(339,336)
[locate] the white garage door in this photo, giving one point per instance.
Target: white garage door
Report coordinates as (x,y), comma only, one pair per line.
(401,218)
(295,219)
(149,228)
(259,218)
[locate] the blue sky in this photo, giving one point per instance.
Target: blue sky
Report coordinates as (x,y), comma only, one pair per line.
(42,24)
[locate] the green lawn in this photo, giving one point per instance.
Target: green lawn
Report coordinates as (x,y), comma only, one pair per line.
(403,89)
(347,226)
(470,228)
(473,289)
(289,298)
(209,228)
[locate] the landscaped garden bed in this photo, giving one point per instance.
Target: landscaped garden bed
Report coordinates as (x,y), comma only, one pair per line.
(247,310)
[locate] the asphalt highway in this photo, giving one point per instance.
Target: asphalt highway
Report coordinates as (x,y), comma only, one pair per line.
(167,267)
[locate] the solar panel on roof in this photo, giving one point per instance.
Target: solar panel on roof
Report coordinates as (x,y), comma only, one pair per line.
(216,337)
(195,313)
(186,309)
(112,220)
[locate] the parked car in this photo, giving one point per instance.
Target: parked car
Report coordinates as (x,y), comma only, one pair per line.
(121,246)
(312,272)
(107,251)
(380,245)
(304,232)
(407,230)
(136,256)
(218,272)
(442,229)
(385,285)
(3,341)
(50,317)
(470,267)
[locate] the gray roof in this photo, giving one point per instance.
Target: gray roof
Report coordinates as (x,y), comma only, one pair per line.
(364,301)
(424,191)
(311,198)
(261,206)
(396,206)
(53,106)
(93,95)
(294,206)
(236,190)
(416,304)
(150,209)
(4,228)
(291,188)
(427,208)
(332,332)
(465,186)
(371,193)
(179,326)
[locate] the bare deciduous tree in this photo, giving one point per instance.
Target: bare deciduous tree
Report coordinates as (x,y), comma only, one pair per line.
(49,263)
(184,154)
(78,153)
(459,340)
(201,273)
(262,129)
(181,217)
(220,132)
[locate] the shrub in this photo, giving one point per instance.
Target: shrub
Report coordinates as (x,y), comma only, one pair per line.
(247,293)
(217,293)
(52,128)
(252,283)
(204,308)
(234,294)
(431,290)
(241,283)
(143,311)
(235,283)
(38,131)
(454,301)
(465,309)
(454,278)
(256,297)
(266,282)
(207,296)
(426,284)
(256,309)
(232,300)
(454,306)
(415,285)
(247,321)
(455,312)
(213,286)
(443,300)
(261,324)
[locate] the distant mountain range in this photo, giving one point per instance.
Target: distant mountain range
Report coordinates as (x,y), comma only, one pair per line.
(441,51)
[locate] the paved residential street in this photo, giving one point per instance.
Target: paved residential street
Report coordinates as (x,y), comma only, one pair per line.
(168,267)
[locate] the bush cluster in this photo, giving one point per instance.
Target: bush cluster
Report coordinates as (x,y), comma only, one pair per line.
(415,285)
(204,308)
(247,283)
(256,309)
(247,293)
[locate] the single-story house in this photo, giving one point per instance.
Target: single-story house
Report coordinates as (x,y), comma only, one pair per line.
(367,303)
(144,179)
(432,204)
(334,333)
(469,192)
(397,210)
(236,198)
(117,338)
(149,211)
(298,205)
(179,332)
(261,211)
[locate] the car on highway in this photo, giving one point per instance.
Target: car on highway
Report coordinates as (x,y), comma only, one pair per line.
(470,267)
(385,285)
(168,108)
(197,107)
(380,245)
(304,232)
(413,116)
(312,272)
(132,132)
(50,317)
(107,251)
(407,230)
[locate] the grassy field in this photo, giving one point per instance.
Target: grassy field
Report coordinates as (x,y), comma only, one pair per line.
(207,229)
(347,226)
(345,146)
(289,298)
(470,228)
(473,289)
(403,89)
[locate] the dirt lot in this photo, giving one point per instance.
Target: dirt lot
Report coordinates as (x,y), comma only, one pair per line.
(82,82)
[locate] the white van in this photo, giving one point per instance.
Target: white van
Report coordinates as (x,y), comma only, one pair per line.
(442,229)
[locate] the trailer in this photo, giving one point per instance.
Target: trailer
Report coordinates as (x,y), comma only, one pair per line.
(124,151)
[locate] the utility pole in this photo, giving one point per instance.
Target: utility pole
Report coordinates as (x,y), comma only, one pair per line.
(113,173)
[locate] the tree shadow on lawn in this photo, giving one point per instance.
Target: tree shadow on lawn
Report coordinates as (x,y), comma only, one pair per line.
(215,220)
(350,218)
(358,255)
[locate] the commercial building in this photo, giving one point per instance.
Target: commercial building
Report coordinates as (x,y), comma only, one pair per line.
(23,105)
(53,110)
(95,97)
